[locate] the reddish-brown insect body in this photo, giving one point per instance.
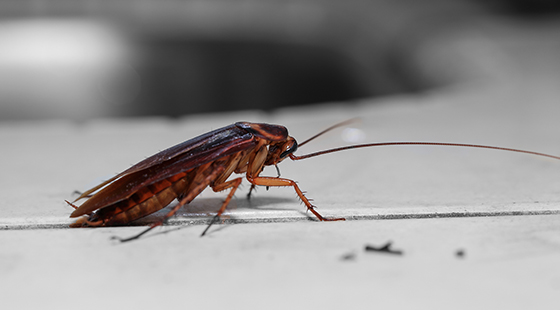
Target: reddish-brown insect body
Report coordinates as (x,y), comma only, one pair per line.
(183,171)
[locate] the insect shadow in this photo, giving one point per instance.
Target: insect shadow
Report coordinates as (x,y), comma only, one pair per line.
(201,210)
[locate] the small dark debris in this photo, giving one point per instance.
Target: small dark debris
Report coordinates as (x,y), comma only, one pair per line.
(384,249)
(460,253)
(348,256)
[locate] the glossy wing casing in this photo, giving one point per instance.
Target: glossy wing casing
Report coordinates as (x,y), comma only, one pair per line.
(179,158)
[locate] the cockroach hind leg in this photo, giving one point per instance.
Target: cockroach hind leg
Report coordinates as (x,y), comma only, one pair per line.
(131,238)
(214,220)
(233,184)
(137,235)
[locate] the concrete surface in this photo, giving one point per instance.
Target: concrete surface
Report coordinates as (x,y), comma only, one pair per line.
(501,210)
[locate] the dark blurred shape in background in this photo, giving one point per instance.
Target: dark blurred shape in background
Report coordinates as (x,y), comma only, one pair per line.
(193,76)
(99,58)
(525,7)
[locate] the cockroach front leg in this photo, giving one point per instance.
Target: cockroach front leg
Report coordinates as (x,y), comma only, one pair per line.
(270,181)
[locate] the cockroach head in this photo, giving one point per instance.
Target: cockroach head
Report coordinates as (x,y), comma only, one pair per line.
(278,151)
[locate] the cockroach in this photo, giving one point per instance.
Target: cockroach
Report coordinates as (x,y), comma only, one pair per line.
(183,171)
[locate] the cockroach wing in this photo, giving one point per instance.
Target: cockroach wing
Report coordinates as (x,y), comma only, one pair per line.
(265,131)
(209,142)
(176,159)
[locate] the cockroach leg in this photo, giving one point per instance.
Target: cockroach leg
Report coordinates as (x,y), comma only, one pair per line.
(270,181)
(214,220)
(138,235)
(253,188)
(94,224)
(233,184)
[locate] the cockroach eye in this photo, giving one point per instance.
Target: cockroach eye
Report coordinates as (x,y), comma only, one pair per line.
(289,151)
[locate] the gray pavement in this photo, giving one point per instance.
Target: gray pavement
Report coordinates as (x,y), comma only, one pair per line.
(500,210)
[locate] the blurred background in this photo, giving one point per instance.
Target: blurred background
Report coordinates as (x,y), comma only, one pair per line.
(78,60)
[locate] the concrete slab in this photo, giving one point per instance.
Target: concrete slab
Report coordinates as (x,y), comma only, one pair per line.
(442,200)
(501,210)
(508,262)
